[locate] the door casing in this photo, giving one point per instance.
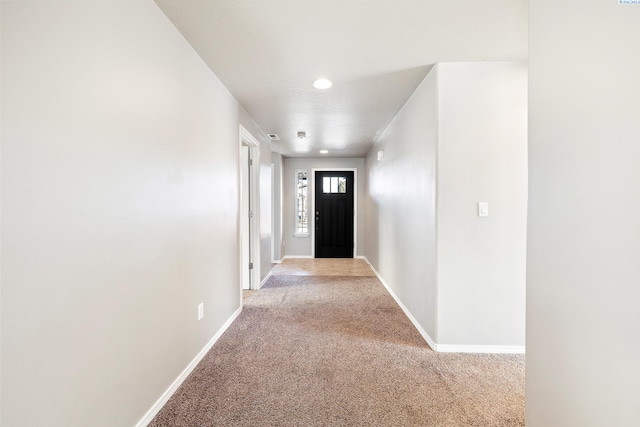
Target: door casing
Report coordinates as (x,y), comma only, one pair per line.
(248,140)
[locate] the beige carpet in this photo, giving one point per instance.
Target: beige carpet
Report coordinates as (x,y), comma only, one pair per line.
(338,351)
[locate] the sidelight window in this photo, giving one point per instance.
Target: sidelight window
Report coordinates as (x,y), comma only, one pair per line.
(302,202)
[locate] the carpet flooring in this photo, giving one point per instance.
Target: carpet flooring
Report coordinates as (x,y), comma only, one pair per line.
(311,350)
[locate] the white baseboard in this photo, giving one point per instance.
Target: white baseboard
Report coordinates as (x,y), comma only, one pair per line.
(447,348)
(494,349)
(413,320)
(311,257)
(276,261)
(265,279)
(185,373)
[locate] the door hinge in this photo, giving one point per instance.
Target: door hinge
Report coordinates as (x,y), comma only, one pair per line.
(250,214)
(250,266)
(250,162)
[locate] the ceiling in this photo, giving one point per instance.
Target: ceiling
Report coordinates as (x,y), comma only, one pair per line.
(376,52)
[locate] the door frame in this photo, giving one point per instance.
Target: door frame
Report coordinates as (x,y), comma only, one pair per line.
(313,207)
(246,139)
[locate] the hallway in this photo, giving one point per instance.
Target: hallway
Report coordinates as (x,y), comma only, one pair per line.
(323,343)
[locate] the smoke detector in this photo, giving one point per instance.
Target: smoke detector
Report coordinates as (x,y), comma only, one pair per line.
(302,134)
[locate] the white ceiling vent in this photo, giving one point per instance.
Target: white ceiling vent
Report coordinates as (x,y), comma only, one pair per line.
(273,137)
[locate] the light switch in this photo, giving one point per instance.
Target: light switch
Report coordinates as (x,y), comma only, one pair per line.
(483,209)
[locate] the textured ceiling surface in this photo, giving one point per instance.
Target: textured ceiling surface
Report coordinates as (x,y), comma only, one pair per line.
(376,52)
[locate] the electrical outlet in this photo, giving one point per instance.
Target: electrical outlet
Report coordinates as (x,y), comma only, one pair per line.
(200,311)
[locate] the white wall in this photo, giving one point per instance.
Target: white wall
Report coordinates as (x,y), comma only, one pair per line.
(301,246)
(265,212)
(278,165)
(583,269)
(119,210)
(460,139)
(400,207)
(482,156)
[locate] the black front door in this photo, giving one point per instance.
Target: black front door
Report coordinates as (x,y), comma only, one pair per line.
(334,214)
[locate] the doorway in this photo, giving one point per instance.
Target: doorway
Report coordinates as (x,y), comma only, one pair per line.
(249,253)
(334,214)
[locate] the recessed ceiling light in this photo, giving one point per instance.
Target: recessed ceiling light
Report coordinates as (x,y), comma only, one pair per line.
(324,151)
(322,84)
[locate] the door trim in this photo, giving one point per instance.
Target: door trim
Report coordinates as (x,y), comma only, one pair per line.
(245,138)
(313,207)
